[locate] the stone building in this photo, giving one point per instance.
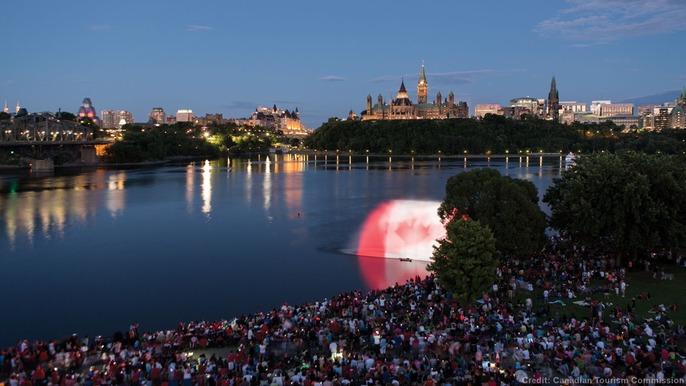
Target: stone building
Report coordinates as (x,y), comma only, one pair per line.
(401,107)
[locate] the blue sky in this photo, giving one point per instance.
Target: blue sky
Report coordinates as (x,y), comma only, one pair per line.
(324,57)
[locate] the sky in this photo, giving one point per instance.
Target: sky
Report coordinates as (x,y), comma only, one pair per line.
(324,57)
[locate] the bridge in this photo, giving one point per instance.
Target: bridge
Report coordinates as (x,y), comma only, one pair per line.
(41,140)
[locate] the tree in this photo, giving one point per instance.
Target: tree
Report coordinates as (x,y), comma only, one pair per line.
(622,204)
(465,261)
(65,116)
(509,207)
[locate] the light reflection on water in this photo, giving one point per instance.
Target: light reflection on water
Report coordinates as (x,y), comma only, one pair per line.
(238,235)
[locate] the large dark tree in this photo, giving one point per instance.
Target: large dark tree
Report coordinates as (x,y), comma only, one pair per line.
(509,207)
(465,261)
(624,204)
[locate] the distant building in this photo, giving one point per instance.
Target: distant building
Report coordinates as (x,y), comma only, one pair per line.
(595,106)
(553,102)
(288,122)
(628,121)
(157,116)
(184,115)
(401,107)
(525,106)
(677,119)
(606,108)
(116,119)
(215,119)
(5,108)
(615,109)
(352,116)
(661,117)
(489,108)
(171,119)
(86,111)
(666,116)
(573,107)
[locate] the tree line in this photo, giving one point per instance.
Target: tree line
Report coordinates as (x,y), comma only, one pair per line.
(492,134)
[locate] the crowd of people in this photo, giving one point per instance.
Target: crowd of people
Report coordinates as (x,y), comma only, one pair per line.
(522,330)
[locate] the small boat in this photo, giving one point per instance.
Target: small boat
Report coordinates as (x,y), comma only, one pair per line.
(405,259)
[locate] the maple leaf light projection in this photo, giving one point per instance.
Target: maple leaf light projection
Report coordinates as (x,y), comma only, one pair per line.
(398,229)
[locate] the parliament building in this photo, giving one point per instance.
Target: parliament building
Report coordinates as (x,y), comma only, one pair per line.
(401,107)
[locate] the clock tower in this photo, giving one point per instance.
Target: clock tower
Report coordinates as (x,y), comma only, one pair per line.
(422,87)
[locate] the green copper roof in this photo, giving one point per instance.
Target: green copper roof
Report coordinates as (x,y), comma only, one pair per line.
(422,74)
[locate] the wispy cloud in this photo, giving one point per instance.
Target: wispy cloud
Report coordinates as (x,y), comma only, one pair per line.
(198,28)
(99,27)
(592,22)
(332,78)
(447,78)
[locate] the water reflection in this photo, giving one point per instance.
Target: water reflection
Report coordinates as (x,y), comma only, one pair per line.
(267,185)
(190,187)
(116,194)
(206,188)
(47,206)
(380,273)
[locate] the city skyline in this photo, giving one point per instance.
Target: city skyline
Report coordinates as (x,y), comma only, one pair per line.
(324,58)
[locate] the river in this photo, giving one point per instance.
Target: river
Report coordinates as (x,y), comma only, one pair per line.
(89,252)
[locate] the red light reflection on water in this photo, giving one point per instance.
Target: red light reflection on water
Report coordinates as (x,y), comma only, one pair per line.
(393,230)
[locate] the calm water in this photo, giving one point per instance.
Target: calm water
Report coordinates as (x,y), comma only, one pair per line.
(92,252)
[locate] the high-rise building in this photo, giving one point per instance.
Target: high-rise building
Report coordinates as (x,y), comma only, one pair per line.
(553,103)
(115,119)
(677,118)
(109,119)
(157,116)
(661,117)
(184,115)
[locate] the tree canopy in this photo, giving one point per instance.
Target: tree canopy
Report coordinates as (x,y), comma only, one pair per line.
(495,134)
(158,143)
(622,204)
(509,207)
(465,261)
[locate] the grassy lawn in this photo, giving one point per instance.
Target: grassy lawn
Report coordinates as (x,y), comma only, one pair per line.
(665,292)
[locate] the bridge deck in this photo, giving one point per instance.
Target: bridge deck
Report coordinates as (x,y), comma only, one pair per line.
(54,143)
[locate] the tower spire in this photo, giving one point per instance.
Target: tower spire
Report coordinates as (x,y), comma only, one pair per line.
(553,101)
(5,108)
(422,86)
